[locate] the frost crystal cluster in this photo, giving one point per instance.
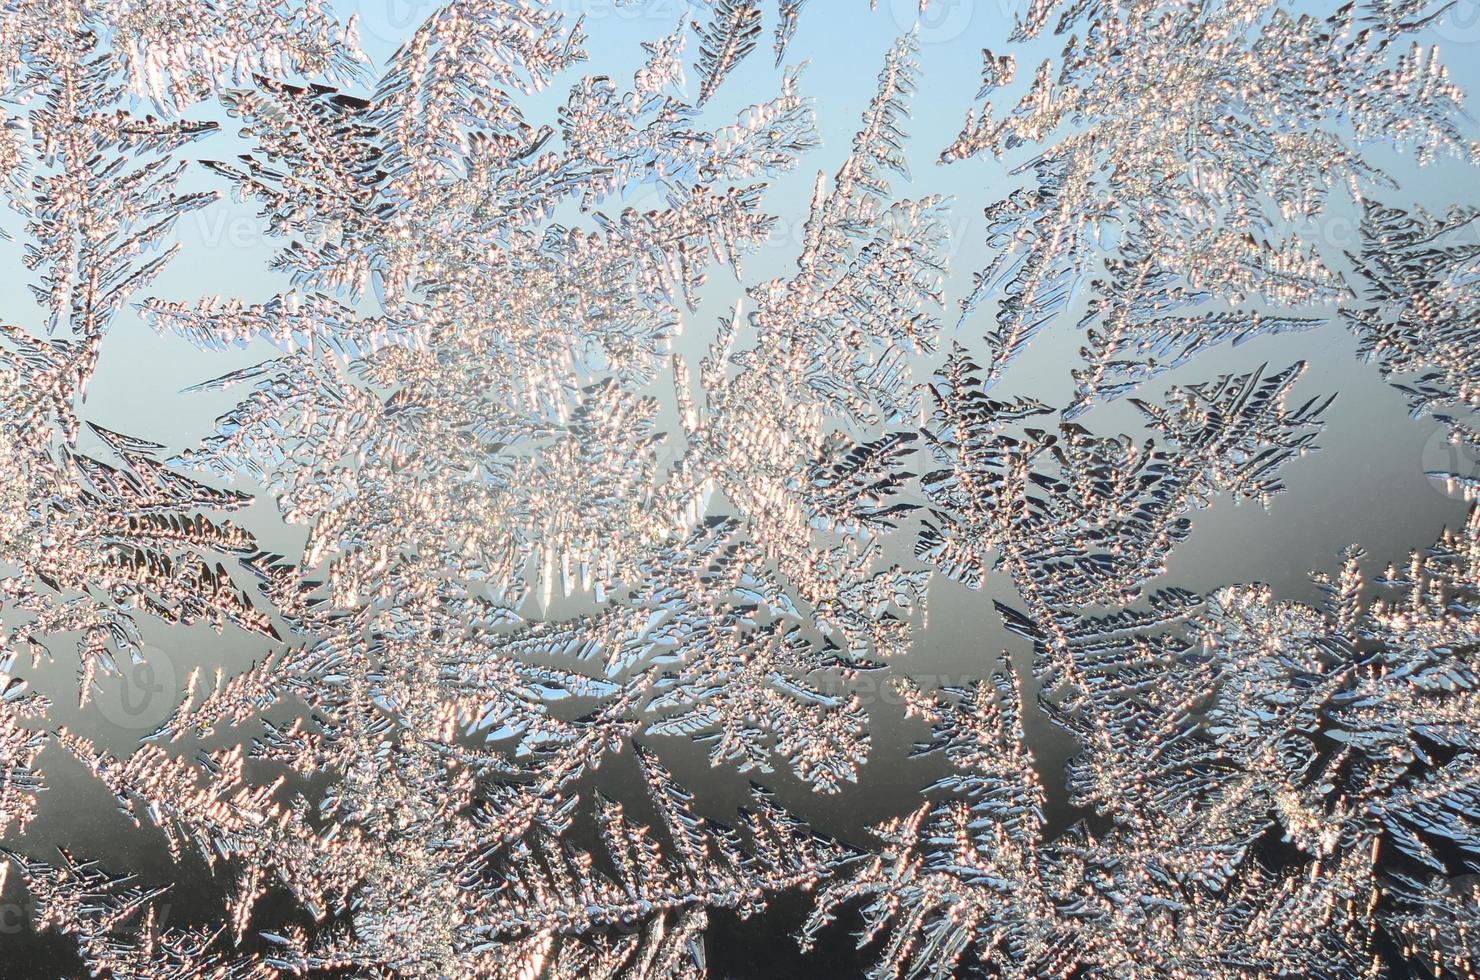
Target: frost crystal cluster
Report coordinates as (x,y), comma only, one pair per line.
(513,551)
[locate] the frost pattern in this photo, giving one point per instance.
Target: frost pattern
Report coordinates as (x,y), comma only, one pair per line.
(541,545)
(1214,732)
(1423,304)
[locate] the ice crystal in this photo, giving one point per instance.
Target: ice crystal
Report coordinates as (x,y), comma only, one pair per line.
(1422,313)
(1079,520)
(1185,137)
(1197,720)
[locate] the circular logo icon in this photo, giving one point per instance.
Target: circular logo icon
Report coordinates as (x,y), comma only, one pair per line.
(140,694)
(384,24)
(1452,464)
(1460,23)
(941,20)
